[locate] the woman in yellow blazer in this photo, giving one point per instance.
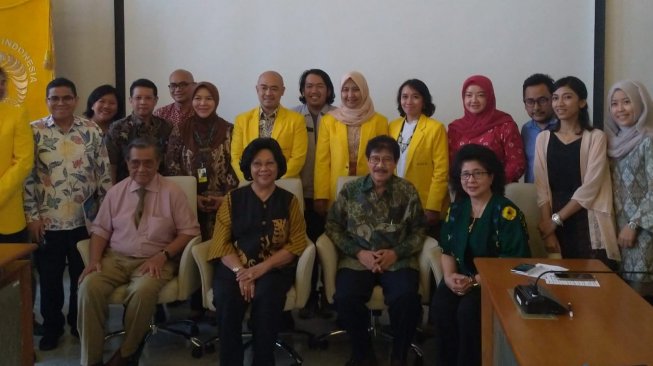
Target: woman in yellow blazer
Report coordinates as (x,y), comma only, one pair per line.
(424,152)
(16,162)
(342,138)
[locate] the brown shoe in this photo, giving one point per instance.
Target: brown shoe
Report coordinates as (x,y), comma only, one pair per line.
(118,360)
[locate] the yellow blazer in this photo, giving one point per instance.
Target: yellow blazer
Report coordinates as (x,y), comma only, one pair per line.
(16,162)
(289,130)
(332,152)
(427,163)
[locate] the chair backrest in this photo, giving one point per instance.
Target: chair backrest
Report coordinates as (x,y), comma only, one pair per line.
(344,179)
(188,184)
(524,196)
(292,185)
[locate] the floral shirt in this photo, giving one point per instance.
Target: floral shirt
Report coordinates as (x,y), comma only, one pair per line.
(362,220)
(173,114)
(69,167)
(122,132)
(504,140)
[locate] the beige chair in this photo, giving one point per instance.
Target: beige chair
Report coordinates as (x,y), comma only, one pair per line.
(296,297)
(429,263)
(524,196)
(179,288)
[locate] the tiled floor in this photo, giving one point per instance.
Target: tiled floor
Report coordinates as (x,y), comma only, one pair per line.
(165,349)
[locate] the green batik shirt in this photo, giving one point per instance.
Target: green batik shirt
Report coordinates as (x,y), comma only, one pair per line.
(499,232)
(362,220)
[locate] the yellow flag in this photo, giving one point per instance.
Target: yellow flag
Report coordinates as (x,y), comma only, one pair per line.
(26,53)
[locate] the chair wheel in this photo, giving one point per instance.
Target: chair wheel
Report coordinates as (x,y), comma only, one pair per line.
(194,330)
(197,352)
(209,348)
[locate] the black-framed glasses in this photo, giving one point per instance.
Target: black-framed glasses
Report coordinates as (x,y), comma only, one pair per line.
(378,159)
(477,174)
(56,99)
(541,101)
(181,85)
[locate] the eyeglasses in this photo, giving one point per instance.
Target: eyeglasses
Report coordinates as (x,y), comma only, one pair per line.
(477,174)
(541,101)
(181,85)
(146,164)
(56,99)
(377,159)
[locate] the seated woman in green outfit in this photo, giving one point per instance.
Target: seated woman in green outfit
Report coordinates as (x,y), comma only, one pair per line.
(480,223)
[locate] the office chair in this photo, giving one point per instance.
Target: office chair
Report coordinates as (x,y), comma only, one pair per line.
(179,288)
(296,297)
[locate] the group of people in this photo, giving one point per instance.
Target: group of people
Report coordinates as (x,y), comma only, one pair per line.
(416,178)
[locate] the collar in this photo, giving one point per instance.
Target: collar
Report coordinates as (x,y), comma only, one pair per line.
(549,125)
(153,186)
(368,183)
(263,115)
(138,121)
(49,121)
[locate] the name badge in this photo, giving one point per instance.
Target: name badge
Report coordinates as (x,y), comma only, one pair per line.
(201,175)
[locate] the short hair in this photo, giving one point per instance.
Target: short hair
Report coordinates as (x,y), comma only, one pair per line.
(253,148)
(61,82)
(144,142)
(580,89)
(538,79)
(97,94)
(331,96)
(418,85)
(143,83)
(484,156)
(382,142)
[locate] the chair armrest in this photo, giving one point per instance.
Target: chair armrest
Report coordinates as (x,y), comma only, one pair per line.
(328,256)
(188,276)
(84,249)
(200,254)
(429,265)
(303,275)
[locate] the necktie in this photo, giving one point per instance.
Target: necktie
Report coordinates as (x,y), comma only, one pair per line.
(139,207)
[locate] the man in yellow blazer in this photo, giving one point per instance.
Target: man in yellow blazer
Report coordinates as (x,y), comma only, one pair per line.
(271,119)
(16,162)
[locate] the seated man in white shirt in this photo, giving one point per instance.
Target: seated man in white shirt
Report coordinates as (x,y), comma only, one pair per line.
(142,227)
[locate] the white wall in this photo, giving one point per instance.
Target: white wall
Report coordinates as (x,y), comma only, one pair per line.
(439,41)
(629,27)
(84,47)
(84,44)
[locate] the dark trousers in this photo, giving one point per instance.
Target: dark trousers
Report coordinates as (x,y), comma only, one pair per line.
(458,326)
(58,248)
(314,228)
(353,290)
(265,315)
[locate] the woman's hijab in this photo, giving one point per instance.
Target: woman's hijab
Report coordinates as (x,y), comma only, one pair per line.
(622,140)
(187,130)
(475,124)
(355,116)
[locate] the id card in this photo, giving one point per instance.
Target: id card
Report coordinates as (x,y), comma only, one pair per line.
(201,175)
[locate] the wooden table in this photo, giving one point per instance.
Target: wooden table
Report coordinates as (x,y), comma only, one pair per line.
(15,276)
(612,324)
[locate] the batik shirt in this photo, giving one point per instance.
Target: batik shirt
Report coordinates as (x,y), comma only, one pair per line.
(122,132)
(69,167)
(360,219)
(173,114)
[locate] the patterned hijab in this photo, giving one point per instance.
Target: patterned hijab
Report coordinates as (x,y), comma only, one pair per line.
(355,116)
(195,123)
(622,140)
(474,124)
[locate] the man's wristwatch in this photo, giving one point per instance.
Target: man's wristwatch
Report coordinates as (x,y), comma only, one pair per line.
(632,225)
(165,252)
(235,270)
(556,219)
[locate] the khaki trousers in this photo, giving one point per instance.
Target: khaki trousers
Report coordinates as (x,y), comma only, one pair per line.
(140,303)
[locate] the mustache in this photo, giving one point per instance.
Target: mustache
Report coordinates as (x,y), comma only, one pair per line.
(380,170)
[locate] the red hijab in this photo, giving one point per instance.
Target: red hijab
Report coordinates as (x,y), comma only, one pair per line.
(474,124)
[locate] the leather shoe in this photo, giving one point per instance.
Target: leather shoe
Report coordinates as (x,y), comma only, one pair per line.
(49,342)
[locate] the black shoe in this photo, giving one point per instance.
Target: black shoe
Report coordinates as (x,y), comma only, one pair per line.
(160,315)
(287,322)
(37,329)
(49,342)
(74,332)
